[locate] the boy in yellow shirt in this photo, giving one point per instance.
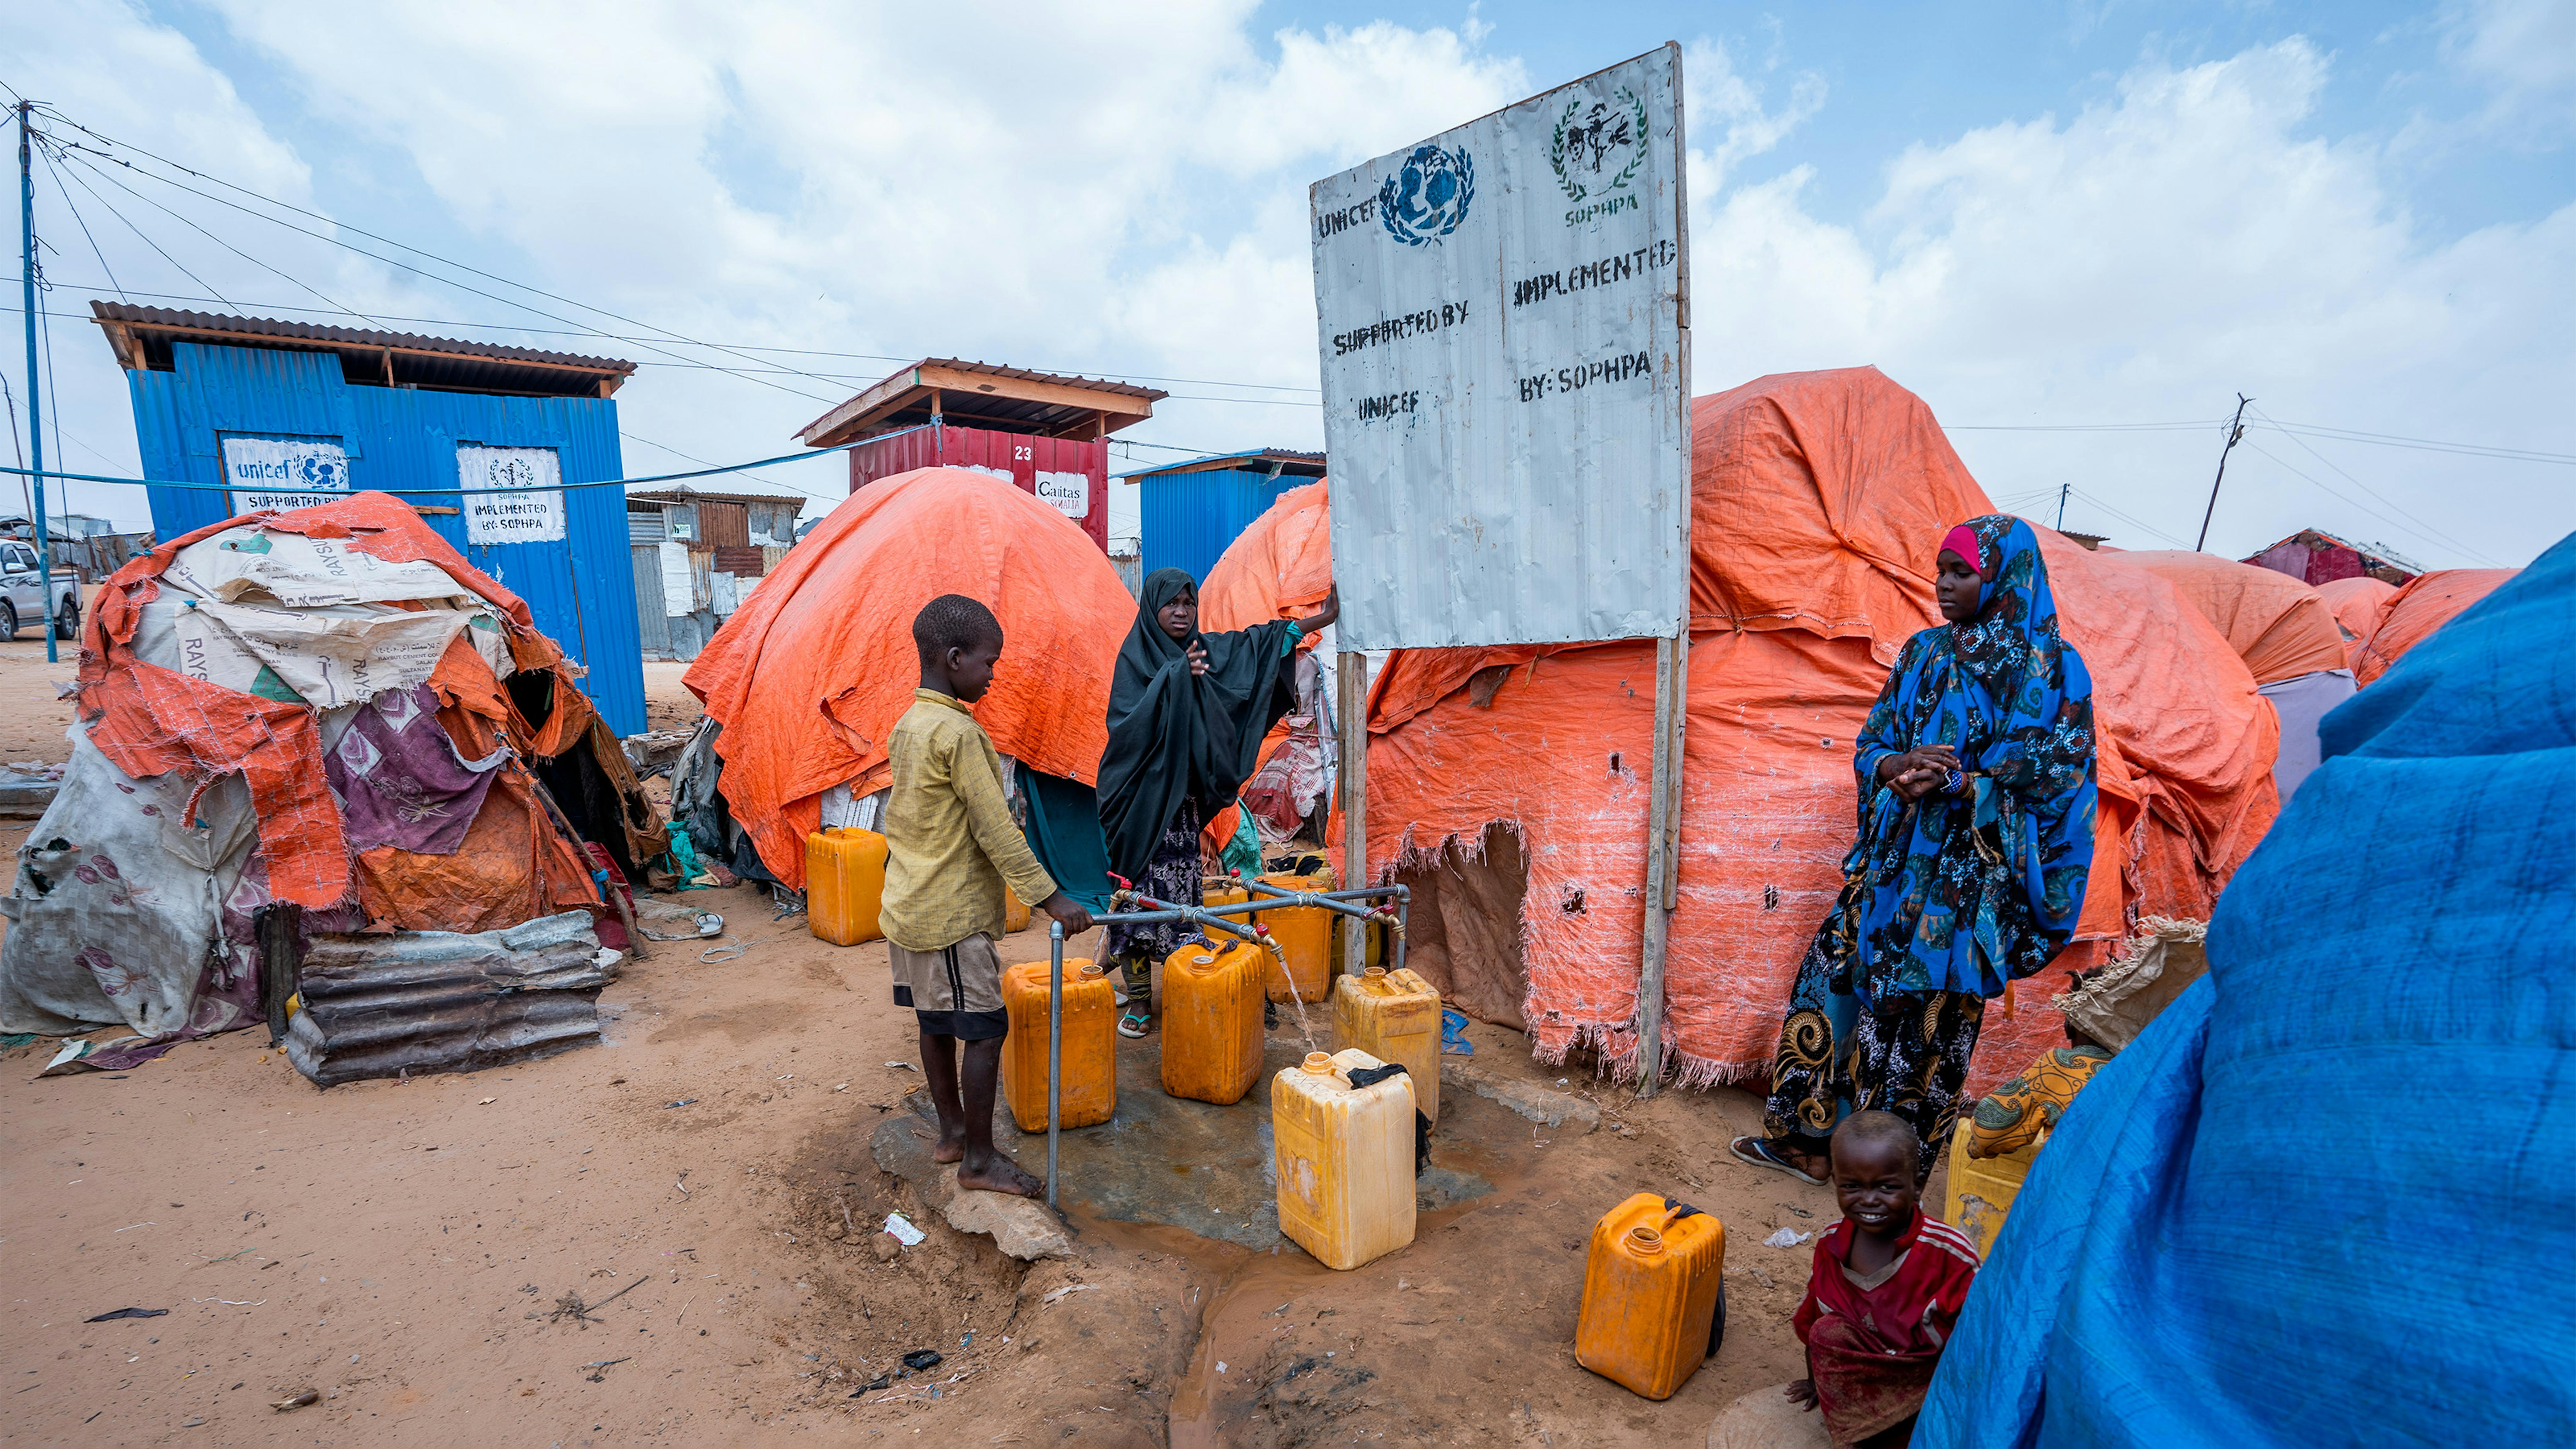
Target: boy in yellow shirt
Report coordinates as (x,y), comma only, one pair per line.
(950,847)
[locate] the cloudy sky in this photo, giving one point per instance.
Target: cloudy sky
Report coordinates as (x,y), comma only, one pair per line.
(2061,218)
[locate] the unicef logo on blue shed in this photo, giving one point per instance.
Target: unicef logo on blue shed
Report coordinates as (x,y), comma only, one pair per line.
(1428,196)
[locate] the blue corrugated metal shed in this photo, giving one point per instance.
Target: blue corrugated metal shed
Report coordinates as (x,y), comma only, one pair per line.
(580,590)
(1192,511)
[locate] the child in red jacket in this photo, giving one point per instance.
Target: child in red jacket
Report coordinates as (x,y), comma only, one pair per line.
(1887,1286)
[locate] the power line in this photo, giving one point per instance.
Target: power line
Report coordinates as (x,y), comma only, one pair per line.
(397,262)
(604,336)
(372,236)
(2388,440)
(2428,529)
(228,246)
(2130,519)
(55,172)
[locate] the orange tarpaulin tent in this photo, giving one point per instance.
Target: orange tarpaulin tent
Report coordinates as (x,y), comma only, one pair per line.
(1279,568)
(2414,612)
(828,637)
(2279,626)
(1819,500)
(2358,604)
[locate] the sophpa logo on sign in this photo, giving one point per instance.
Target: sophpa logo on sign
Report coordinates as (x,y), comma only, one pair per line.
(1596,151)
(531,511)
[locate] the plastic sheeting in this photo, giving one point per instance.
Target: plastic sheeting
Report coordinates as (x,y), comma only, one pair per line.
(830,636)
(2414,612)
(2358,604)
(1279,568)
(2230,1241)
(2279,626)
(1820,500)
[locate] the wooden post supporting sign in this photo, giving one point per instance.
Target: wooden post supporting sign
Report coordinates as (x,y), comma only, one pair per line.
(1350,689)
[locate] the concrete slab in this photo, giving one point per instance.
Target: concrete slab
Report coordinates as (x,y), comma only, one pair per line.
(1196,1166)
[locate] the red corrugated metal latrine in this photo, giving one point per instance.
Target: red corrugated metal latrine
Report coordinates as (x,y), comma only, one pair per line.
(1071,473)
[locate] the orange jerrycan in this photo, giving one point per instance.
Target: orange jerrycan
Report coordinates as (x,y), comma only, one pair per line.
(1015,919)
(1654,1295)
(1090,1091)
(845,872)
(1344,1158)
(1394,1017)
(1305,937)
(1212,1009)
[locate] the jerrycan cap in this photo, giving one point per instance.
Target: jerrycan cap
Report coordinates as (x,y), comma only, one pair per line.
(1202,959)
(1644,1241)
(1319,1064)
(1091,971)
(1375,973)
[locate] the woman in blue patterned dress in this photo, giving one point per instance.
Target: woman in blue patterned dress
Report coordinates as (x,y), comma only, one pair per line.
(1976,839)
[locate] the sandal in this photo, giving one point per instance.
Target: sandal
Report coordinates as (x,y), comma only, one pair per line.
(1759,1152)
(1136,1025)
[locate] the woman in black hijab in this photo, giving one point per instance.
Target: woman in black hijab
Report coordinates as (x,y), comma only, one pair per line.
(1187,714)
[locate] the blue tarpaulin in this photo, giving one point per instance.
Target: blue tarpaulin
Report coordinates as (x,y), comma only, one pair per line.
(2326,1197)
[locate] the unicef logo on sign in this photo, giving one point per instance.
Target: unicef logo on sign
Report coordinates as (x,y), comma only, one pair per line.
(1428,196)
(318,469)
(1596,151)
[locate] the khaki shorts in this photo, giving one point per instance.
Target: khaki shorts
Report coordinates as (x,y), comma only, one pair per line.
(956,990)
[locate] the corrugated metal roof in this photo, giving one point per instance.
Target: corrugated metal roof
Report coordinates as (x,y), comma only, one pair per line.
(143,338)
(984,395)
(1293,464)
(694,495)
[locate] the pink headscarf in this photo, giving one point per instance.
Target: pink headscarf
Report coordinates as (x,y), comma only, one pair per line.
(1962,541)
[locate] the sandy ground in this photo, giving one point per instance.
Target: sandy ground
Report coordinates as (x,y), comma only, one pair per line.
(414,1251)
(32,719)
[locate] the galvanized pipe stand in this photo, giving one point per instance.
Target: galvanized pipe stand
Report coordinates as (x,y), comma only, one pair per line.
(1273,899)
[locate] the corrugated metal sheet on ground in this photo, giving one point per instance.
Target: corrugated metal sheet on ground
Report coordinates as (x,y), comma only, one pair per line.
(439,1001)
(580,591)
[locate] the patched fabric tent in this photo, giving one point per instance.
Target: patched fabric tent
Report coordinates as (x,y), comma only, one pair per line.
(326,709)
(808,677)
(2285,632)
(2414,612)
(1819,500)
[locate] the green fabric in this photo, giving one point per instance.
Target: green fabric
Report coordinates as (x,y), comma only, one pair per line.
(1243,852)
(1064,833)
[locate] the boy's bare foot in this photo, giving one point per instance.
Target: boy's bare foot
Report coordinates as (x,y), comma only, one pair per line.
(1000,1174)
(951,1147)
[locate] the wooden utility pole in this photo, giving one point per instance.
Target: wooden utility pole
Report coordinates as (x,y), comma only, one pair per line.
(2235,431)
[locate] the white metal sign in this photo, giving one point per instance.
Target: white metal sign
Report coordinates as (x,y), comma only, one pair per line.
(279,473)
(533,516)
(1069,492)
(1503,322)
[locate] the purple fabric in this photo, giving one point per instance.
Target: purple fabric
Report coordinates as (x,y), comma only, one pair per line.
(400,780)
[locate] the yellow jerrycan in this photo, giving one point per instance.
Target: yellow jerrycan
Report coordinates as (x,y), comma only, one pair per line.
(1015,917)
(1654,1295)
(1305,937)
(1394,1016)
(1212,1009)
(845,871)
(1090,1091)
(1344,1158)
(1982,1189)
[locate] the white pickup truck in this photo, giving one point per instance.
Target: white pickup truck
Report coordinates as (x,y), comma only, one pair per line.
(22,593)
